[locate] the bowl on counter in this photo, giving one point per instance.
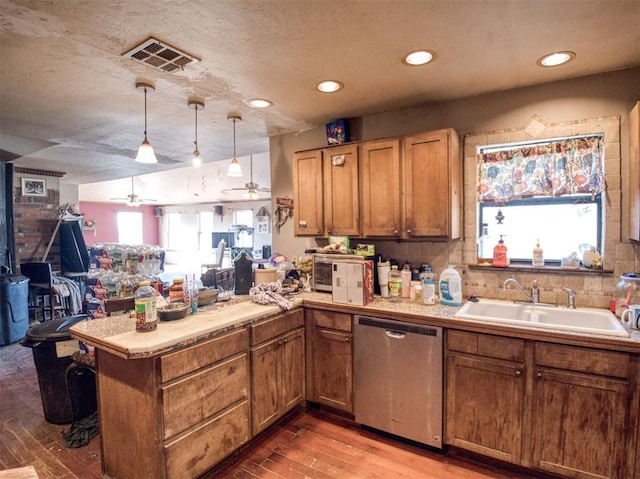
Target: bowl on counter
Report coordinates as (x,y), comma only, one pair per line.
(173,311)
(207,296)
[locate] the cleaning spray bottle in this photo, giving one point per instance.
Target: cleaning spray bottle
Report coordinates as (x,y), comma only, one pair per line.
(500,254)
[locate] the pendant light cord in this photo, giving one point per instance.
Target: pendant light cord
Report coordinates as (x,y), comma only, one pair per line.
(234,137)
(196,142)
(145,113)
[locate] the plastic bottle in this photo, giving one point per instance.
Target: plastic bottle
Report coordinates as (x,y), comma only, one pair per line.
(484,246)
(450,286)
(406,280)
(145,307)
(537,258)
(500,254)
(384,267)
(395,283)
(428,279)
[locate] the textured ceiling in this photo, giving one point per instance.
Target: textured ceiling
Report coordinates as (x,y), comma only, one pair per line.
(68,100)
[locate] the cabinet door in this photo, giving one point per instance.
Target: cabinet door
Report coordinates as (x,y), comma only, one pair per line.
(292,370)
(634,173)
(265,397)
(341,196)
(331,369)
(380,188)
(485,401)
(307,191)
(579,424)
(432,181)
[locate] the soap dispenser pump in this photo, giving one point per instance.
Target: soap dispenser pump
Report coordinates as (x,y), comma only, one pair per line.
(500,254)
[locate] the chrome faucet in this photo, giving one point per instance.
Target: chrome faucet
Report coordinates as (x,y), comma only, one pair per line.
(571,296)
(535,292)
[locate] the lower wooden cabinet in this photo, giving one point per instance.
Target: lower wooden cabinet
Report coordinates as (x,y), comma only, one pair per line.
(561,409)
(329,359)
(277,368)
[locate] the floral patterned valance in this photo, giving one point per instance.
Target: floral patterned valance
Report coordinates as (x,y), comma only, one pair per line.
(569,166)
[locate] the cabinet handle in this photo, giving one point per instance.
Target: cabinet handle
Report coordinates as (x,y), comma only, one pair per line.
(539,375)
(346,340)
(280,343)
(284,341)
(408,232)
(395,232)
(518,373)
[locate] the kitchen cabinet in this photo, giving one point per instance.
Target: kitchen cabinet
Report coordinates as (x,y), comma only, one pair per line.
(380,188)
(326,192)
(560,409)
(634,173)
(175,415)
(277,368)
(485,394)
(308,194)
(329,359)
(432,185)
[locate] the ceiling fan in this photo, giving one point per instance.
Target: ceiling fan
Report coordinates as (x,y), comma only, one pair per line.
(133,199)
(251,189)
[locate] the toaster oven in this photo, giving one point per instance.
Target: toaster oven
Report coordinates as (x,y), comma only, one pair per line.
(323,266)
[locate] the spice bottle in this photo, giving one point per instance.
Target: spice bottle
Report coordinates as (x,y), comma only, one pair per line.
(176,291)
(145,307)
(395,283)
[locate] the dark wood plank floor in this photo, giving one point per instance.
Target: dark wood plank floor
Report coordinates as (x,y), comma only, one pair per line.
(311,444)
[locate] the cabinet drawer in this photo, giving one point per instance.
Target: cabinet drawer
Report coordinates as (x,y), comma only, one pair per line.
(487,345)
(585,360)
(204,394)
(195,357)
(271,328)
(198,451)
(330,320)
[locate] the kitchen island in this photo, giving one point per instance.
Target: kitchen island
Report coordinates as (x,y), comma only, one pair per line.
(176,401)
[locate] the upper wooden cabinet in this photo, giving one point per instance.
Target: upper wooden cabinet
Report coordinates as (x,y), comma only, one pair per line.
(307,193)
(325,189)
(634,173)
(407,187)
(432,181)
(341,196)
(380,188)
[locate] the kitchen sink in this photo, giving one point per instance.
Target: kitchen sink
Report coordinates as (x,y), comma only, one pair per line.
(583,320)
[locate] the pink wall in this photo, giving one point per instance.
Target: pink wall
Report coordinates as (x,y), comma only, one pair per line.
(104,215)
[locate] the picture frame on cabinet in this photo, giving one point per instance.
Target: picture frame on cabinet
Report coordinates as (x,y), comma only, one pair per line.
(34,187)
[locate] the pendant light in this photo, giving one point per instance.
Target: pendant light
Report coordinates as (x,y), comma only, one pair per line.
(196,104)
(145,152)
(234,167)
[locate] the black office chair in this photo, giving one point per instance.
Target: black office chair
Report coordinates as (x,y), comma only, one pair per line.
(40,287)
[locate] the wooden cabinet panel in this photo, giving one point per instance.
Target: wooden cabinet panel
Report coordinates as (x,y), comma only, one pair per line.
(265,404)
(486,345)
(432,182)
(191,455)
(292,369)
(281,324)
(485,404)
(634,173)
(190,359)
(593,361)
(579,425)
(341,192)
(329,360)
(197,397)
(380,188)
(308,193)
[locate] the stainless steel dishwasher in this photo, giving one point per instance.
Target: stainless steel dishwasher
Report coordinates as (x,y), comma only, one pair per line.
(398,378)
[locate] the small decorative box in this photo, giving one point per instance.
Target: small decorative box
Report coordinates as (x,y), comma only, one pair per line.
(337,132)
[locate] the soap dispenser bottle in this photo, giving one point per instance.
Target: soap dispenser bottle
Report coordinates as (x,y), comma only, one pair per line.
(537,258)
(500,254)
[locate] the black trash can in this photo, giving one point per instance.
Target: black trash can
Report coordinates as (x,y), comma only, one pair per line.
(14,308)
(52,349)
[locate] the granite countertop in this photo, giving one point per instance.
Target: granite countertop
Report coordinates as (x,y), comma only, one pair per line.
(117,334)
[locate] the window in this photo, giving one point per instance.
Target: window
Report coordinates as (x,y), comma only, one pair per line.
(244,239)
(129,227)
(547,190)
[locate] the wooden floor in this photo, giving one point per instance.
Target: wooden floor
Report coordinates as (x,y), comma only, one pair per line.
(309,444)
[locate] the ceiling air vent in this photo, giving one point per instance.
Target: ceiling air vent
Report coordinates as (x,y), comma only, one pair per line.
(160,55)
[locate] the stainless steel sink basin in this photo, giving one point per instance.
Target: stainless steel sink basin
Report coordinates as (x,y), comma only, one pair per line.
(584,320)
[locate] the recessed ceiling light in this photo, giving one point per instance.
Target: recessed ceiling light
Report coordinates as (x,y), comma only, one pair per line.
(555,59)
(329,86)
(419,57)
(259,103)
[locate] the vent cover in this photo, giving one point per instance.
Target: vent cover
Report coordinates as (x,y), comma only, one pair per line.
(160,55)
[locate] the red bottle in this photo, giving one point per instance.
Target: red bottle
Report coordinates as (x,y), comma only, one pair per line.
(500,254)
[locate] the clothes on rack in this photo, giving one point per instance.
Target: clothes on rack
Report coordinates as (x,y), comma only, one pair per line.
(66,287)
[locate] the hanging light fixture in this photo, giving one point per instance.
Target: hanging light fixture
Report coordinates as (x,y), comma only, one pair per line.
(234,166)
(196,104)
(145,152)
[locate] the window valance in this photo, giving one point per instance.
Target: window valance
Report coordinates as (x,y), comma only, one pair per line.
(555,168)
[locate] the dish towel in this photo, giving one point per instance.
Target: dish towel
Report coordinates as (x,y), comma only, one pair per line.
(271,293)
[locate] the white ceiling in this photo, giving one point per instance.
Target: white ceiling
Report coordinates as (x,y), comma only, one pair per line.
(68,100)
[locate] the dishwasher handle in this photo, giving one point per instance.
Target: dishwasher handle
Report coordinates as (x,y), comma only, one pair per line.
(394,334)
